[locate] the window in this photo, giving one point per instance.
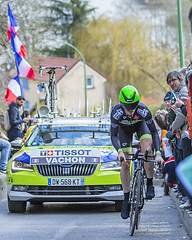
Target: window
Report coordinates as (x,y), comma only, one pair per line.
(90,82)
(25,84)
(26,105)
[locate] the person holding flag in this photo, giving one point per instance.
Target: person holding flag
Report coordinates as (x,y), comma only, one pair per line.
(15,95)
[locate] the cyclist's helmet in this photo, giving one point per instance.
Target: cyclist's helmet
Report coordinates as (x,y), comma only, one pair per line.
(129,97)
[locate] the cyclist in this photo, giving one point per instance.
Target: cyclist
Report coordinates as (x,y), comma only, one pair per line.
(128,117)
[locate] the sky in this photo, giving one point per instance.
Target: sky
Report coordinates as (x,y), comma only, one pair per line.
(105,7)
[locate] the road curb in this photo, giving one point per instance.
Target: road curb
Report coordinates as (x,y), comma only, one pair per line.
(3,186)
(185,215)
(157,181)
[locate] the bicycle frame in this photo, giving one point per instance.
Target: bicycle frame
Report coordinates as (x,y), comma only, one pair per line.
(136,196)
(52,91)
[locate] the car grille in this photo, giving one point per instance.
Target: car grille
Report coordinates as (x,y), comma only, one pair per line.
(59,171)
(69,190)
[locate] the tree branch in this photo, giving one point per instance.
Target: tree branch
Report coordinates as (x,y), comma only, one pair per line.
(154,79)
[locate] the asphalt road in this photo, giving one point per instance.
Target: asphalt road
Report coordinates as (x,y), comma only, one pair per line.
(90,221)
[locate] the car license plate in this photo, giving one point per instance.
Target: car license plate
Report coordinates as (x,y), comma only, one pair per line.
(66,182)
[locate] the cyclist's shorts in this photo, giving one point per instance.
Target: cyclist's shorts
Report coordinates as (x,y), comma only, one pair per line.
(126,134)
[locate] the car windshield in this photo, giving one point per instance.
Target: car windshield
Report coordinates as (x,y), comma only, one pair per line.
(58,135)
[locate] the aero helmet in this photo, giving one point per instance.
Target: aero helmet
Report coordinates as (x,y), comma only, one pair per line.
(129,97)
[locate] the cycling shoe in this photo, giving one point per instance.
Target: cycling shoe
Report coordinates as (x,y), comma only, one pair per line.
(125,209)
(150,192)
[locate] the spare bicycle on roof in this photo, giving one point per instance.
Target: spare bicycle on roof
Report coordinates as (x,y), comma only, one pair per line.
(51,88)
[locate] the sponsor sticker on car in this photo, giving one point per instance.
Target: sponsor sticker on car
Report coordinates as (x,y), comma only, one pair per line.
(65,156)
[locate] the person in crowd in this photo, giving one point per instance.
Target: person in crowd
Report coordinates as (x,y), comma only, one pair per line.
(16,119)
(30,129)
(25,125)
(5,148)
(168,168)
(178,120)
(161,115)
(167,101)
(185,104)
(170,179)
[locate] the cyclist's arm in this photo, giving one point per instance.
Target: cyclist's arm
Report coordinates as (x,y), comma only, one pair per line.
(114,136)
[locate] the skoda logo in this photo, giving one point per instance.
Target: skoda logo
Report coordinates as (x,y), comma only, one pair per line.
(65,165)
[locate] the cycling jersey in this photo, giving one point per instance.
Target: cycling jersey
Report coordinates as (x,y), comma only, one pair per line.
(123,127)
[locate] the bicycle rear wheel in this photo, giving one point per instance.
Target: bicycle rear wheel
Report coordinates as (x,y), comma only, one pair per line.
(135,202)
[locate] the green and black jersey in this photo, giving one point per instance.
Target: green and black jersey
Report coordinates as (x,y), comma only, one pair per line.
(123,127)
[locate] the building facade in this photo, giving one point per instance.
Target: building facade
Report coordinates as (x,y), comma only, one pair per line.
(71,89)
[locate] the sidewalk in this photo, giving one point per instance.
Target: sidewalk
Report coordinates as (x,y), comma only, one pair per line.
(3,186)
(185,215)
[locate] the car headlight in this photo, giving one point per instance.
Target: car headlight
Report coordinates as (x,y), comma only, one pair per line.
(112,165)
(17,166)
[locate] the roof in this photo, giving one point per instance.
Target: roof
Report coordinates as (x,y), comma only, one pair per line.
(47,61)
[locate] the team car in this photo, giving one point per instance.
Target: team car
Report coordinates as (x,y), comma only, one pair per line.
(65,160)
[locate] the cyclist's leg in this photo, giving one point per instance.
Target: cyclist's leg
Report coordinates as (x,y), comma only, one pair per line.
(146,144)
(125,140)
(126,145)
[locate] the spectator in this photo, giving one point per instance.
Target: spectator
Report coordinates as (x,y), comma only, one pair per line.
(5,148)
(167,101)
(161,115)
(168,169)
(16,120)
(25,125)
(30,129)
(186,110)
(188,81)
(178,120)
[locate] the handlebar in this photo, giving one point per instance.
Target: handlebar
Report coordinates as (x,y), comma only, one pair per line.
(139,156)
(51,68)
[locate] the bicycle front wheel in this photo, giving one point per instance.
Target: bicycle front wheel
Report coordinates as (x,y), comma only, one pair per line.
(135,202)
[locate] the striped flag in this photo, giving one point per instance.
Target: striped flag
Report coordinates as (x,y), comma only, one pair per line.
(24,69)
(17,45)
(14,90)
(11,24)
